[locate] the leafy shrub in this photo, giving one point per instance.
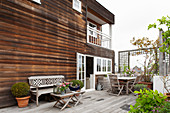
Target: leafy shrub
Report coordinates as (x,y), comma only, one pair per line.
(147,101)
(137,87)
(77,83)
(20,89)
(165,108)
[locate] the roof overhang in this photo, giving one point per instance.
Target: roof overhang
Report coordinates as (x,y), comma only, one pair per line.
(99,13)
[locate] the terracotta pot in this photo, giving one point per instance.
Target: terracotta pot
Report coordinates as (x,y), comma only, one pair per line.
(77,91)
(149,84)
(23,102)
(167,94)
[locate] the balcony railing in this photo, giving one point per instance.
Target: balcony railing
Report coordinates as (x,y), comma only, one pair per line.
(98,38)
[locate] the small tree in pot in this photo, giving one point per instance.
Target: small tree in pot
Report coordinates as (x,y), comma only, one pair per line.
(21,92)
(150,61)
(76,85)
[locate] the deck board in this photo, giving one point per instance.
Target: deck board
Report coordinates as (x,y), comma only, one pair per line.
(93,102)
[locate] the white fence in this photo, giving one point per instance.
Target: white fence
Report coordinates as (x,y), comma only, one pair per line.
(158,84)
(98,38)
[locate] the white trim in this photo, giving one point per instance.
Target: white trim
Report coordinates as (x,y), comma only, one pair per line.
(74,6)
(37,1)
(92,76)
(82,55)
(102,72)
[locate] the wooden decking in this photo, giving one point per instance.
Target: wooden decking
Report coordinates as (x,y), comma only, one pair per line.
(93,102)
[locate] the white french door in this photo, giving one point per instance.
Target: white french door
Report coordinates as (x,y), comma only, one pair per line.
(81,68)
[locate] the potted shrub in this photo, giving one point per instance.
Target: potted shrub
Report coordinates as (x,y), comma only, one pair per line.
(150,61)
(21,92)
(76,85)
(137,87)
(63,88)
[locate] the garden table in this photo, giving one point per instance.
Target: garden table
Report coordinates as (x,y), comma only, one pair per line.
(127,80)
(74,96)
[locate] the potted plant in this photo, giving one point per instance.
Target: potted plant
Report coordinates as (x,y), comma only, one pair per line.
(63,88)
(137,87)
(129,72)
(21,92)
(76,85)
(150,61)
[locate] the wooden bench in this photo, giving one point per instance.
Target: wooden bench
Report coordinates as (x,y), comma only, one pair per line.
(43,84)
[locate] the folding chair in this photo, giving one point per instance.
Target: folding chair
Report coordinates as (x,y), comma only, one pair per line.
(133,82)
(115,86)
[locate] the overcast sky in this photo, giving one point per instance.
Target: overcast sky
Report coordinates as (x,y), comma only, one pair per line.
(132,18)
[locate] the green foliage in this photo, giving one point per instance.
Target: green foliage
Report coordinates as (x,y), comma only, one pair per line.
(165,108)
(20,89)
(77,83)
(137,87)
(148,101)
(164,21)
(105,75)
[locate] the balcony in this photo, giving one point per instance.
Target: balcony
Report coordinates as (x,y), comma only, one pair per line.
(98,38)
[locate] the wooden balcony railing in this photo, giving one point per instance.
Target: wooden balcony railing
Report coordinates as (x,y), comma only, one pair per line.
(98,38)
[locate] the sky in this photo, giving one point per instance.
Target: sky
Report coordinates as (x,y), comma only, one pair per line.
(132,18)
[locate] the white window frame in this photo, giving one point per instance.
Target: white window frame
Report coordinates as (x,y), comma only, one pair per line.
(37,1)
(102,59)
(74,6)
(108,65)
(100,65)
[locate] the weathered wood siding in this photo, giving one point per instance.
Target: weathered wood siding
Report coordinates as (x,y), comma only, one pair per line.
(40,40)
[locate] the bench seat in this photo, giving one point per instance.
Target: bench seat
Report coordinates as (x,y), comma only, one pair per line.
(43,84)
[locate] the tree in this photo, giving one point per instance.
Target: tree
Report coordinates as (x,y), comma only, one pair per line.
(148,46)
(163,22)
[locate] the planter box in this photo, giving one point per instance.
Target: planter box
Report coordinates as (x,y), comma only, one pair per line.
(149,84)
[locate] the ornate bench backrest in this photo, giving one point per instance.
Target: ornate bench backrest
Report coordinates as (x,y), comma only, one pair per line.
(45,81)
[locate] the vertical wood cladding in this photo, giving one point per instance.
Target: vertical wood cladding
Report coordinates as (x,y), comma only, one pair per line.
(40,40)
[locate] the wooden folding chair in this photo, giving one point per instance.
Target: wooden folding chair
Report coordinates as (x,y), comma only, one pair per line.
(115,86)
(133,82)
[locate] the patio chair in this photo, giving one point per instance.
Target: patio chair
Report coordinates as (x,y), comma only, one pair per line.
(115,86)
(133,82)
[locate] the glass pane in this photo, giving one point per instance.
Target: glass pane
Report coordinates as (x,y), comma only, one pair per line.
(109,66)
(79,58)
(82,75)
(79,75)
(98,65)
(82,59)
(104,66)
(82,67)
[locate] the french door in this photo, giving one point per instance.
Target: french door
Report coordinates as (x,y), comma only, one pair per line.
(81,68)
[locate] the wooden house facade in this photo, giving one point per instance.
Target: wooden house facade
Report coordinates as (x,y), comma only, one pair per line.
(52,37)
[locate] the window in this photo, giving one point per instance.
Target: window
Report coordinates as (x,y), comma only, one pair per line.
(77,5)
(98,65)
(104,65)
(37,1)
(109,66)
